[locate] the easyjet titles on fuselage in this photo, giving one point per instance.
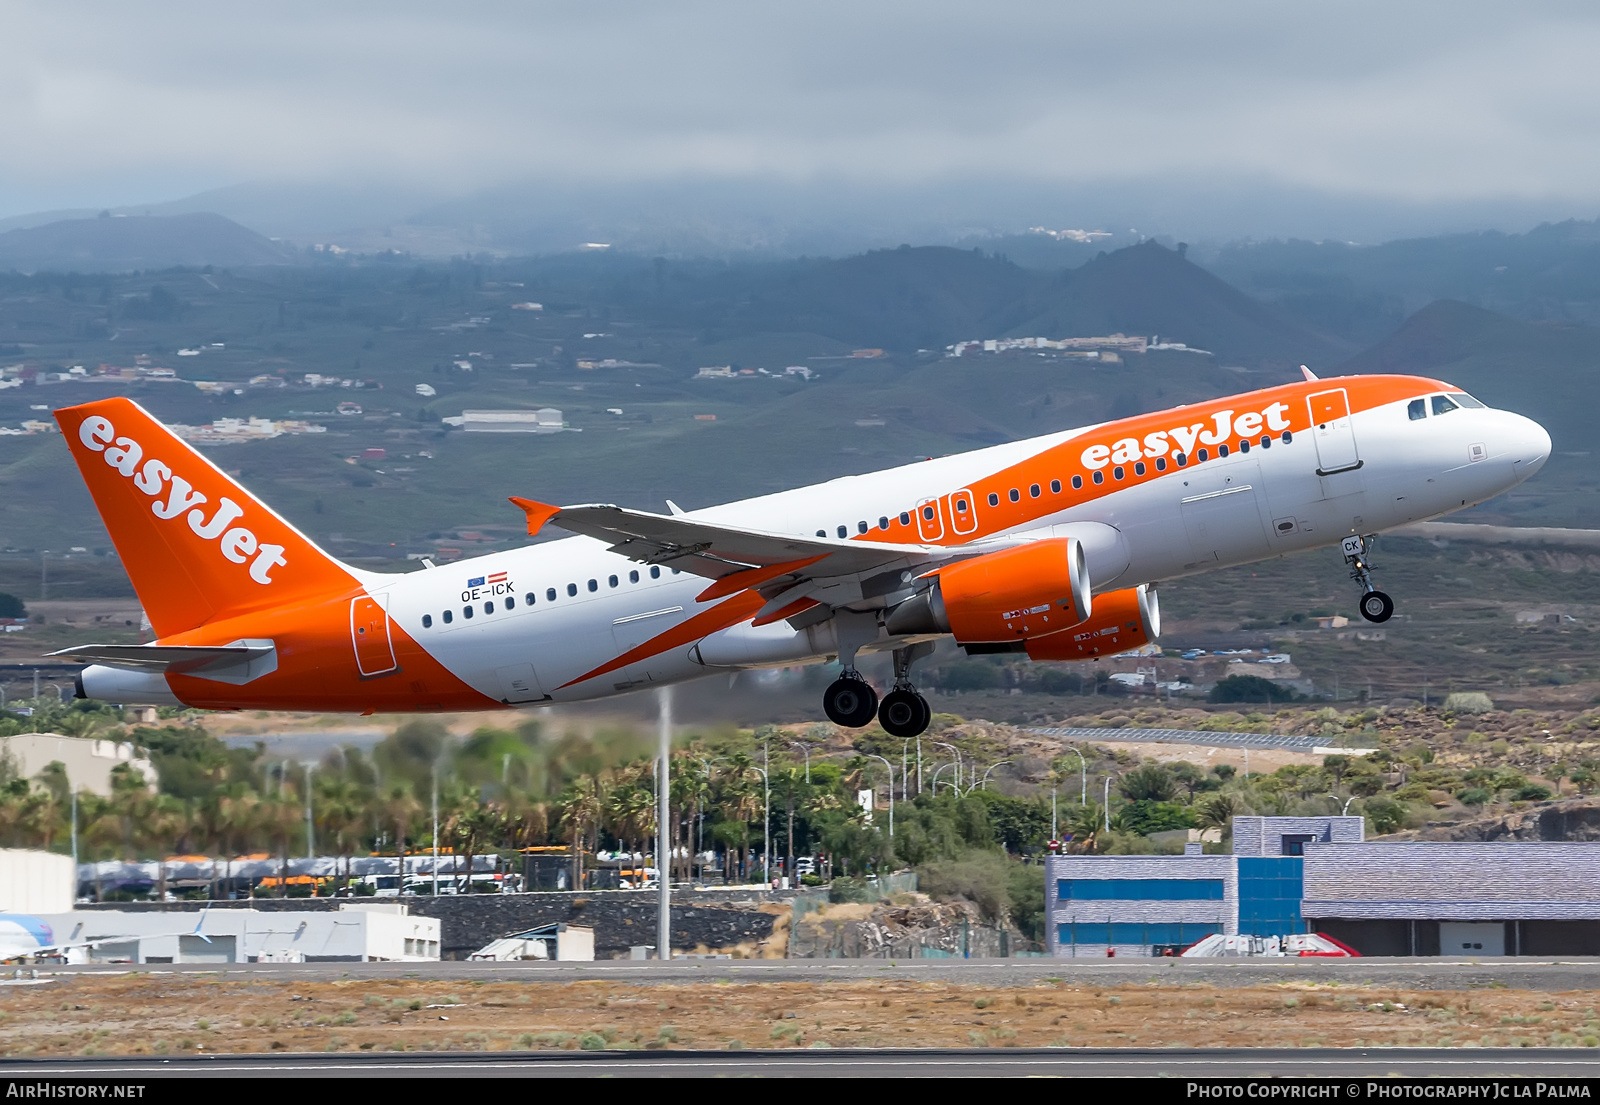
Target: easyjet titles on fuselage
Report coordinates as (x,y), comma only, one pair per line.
(1180,441)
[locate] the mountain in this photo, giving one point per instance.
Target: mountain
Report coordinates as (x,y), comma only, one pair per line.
(1149,289)
(1551,272)
(1547,371)
(931,296)
(122,244)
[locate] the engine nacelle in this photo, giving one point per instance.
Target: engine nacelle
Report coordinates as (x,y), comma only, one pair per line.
(1029,591)
(1123,620)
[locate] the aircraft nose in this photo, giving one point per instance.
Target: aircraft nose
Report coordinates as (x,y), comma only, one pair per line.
(1530,446)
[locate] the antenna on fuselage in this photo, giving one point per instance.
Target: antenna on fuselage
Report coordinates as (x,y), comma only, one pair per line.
(1309,375)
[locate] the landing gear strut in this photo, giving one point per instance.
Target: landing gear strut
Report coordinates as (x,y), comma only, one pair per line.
(904,712)
(1375,605)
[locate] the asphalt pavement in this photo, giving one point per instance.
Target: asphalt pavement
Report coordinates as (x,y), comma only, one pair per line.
(1434,973)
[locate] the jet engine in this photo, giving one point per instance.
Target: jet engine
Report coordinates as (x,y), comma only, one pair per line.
(1123,620)
(1029,591)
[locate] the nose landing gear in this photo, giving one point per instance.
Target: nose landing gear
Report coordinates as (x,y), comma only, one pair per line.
(1375,605)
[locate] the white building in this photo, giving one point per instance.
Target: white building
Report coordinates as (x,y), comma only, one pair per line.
(358,932)
(545,420)
(35,882)
(89,763)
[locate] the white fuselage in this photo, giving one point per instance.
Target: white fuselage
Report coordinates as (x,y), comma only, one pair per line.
(1238,509)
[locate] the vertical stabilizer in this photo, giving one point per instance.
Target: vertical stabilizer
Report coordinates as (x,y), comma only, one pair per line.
(196,545)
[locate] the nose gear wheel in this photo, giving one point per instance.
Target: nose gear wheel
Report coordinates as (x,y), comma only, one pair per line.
(1375,605)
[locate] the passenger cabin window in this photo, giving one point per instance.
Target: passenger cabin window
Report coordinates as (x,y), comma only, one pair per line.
(994,500)
(1117,472)
(488,607)
(843,530)
(527,600)
(655,573)
(466,611)
(572,590)
(1055,487)
(427,621)
(1202,456)
(1161,464)
(905,518)
(611,581)
(1417,409)
(1138,469)
(1016,496)
(633,577)
(883,522)
(1266,441)
(549,594)
(1033,490)
(1099,477)
(1077,482)
(511,600)
(822,533)
(448,617)
(1443,404)
(861,527)
(594,585)
(1222,451)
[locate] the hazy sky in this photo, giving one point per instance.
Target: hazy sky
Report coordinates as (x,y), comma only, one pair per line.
(1416,103)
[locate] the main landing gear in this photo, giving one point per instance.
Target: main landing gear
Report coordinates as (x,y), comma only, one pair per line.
(850,700)
(1375,605)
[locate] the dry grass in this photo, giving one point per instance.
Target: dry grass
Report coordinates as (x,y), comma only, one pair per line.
(164,1014)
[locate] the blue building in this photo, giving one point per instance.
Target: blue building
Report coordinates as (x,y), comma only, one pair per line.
(1153,905)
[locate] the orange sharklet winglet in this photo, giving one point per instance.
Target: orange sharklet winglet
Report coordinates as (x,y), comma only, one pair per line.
(786,612)
(751,577)
(538,513)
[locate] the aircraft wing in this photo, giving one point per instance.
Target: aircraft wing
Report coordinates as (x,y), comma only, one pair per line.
(720,551)
(176,659)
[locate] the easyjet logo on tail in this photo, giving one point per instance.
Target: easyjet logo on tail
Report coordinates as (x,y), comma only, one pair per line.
(1223,428)
(156,479)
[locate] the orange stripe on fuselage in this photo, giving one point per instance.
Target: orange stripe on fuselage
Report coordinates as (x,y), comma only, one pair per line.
(317,666)
(720,616)
(1065,460)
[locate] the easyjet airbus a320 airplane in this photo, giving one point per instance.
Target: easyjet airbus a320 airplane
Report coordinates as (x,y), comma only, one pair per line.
(1051,547)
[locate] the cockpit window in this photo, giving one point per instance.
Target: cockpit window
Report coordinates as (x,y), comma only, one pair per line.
(1443,404)
(1465,400)
(1417,408)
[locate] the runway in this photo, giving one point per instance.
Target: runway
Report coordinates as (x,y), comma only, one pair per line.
(1317,1063)
(1432,973)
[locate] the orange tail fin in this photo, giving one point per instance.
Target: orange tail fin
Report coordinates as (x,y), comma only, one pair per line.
(196,545)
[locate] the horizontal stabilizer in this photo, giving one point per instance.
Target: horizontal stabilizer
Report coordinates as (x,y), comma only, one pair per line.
(167,659)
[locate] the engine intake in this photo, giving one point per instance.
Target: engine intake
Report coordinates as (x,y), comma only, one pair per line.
(1123,620)
(1029,591)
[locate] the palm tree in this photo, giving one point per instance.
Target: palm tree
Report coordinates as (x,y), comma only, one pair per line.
(580,806)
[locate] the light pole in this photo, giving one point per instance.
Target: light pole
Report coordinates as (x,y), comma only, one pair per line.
(983,784)
(956,752)
(766,822)
(1108,803)
(905,782)
(1346,811)
(311,840)
(1083,771)
(933,783)
(807,752)
(887,766)
(663,815)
